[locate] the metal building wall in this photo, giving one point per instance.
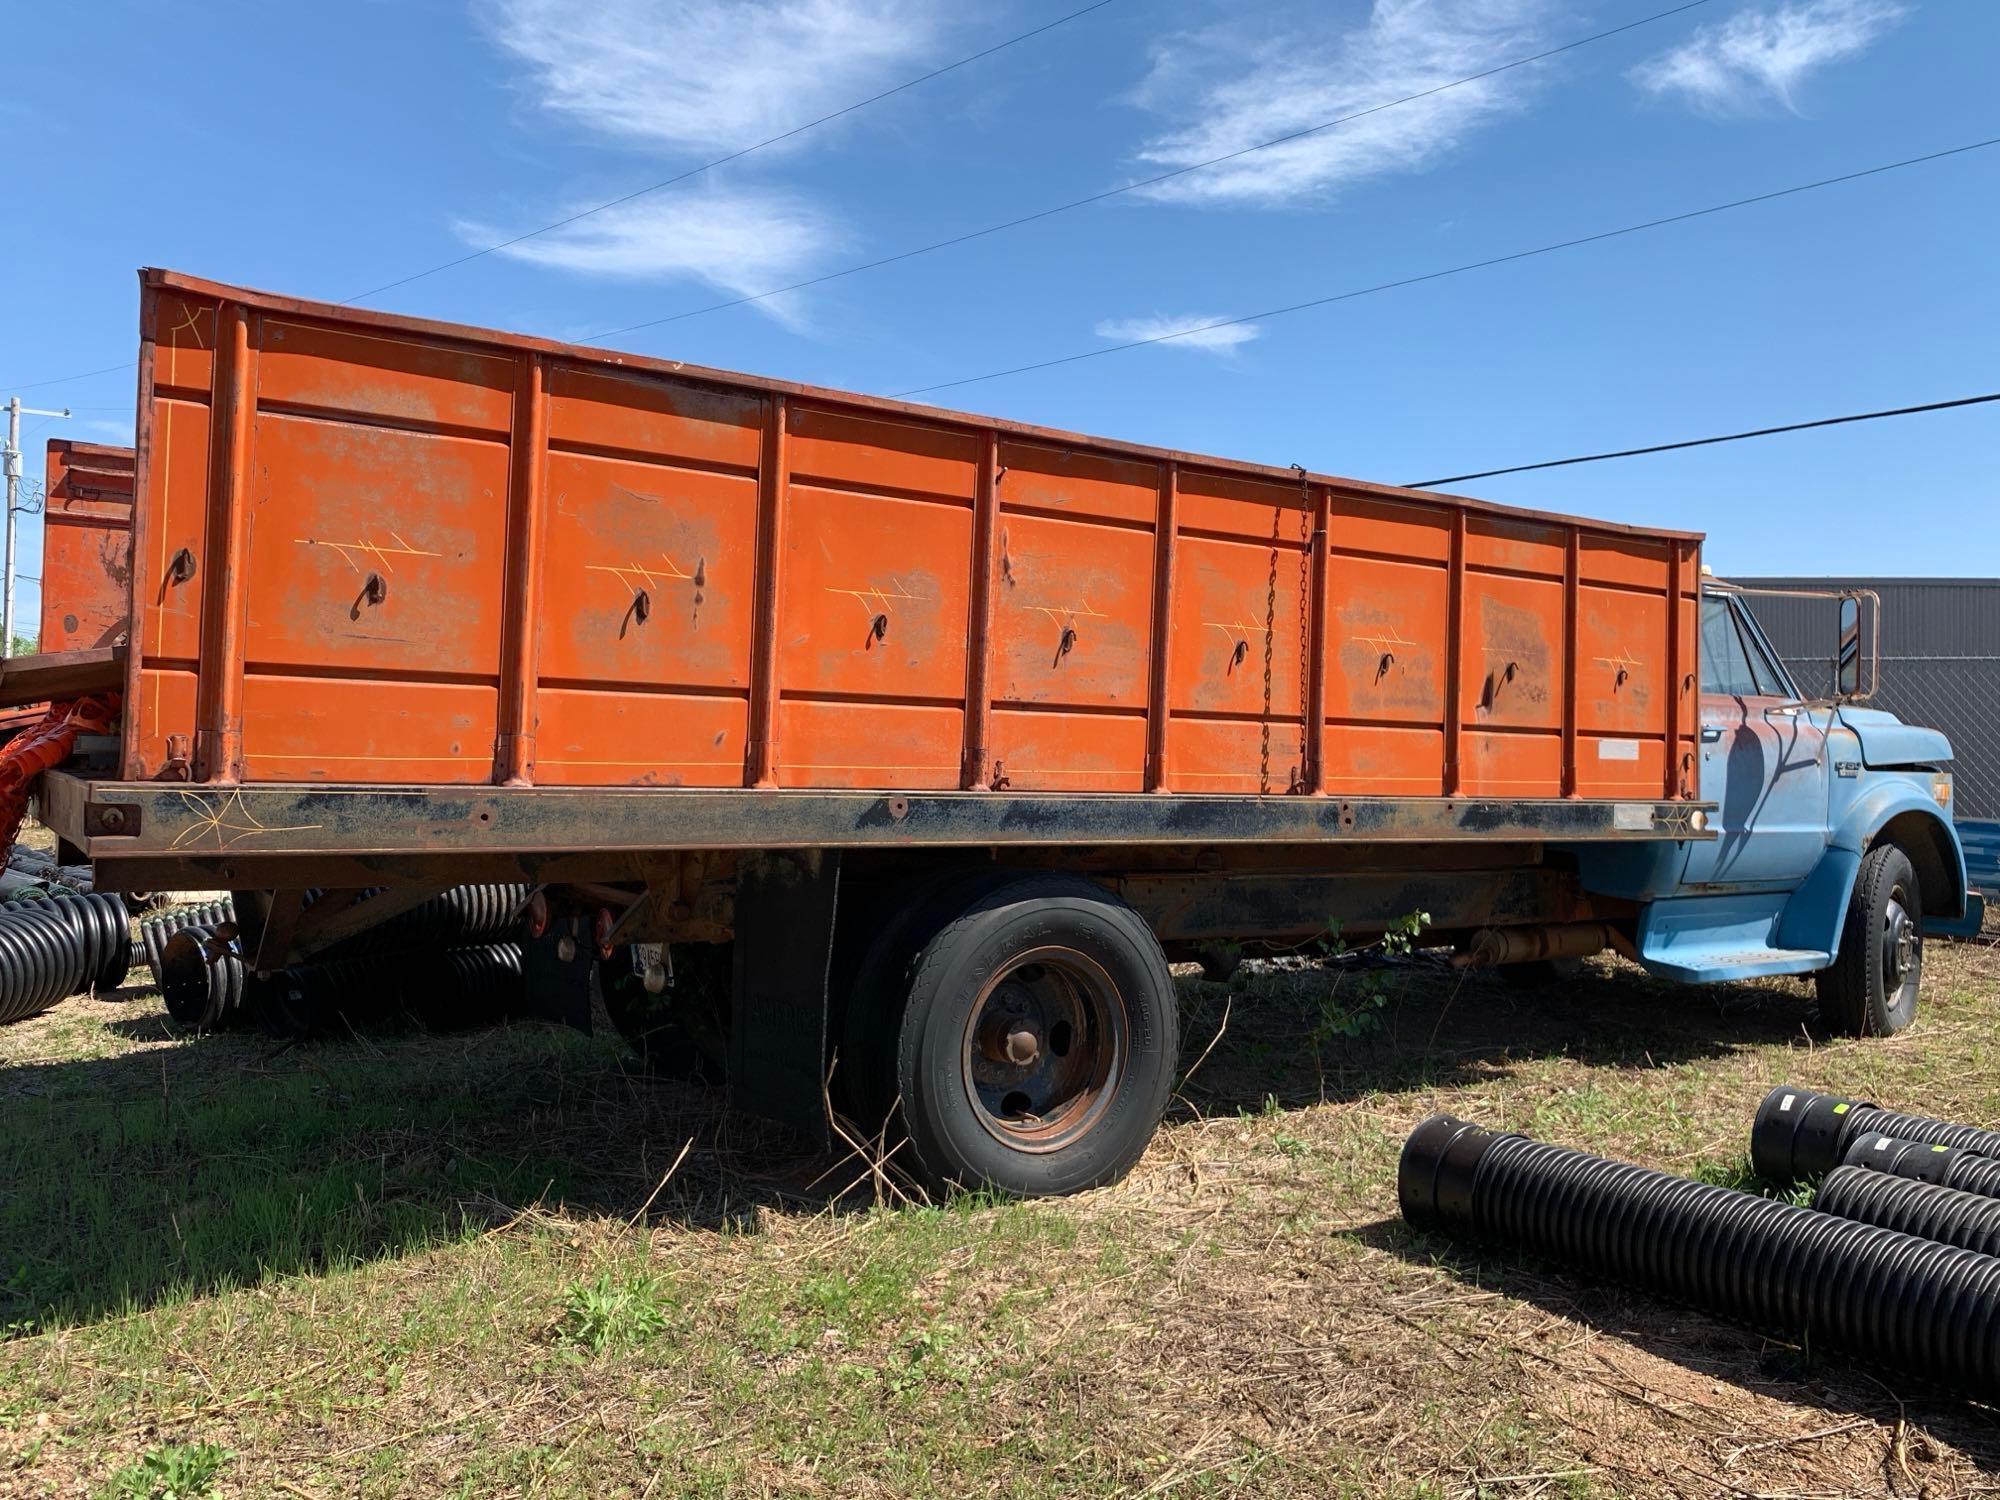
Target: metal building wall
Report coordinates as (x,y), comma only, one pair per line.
(1940,662)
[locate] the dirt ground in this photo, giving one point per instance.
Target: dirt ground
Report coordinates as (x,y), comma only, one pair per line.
(507,1262)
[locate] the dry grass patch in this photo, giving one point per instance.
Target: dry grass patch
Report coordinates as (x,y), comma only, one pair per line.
(509,1264)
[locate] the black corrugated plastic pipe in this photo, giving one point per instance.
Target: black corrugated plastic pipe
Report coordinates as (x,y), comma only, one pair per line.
(155,931)
(1828,1282)
(463,916)
(102,928)
(1800,1133)
(203,980)
(39,961)
(1921,1208)
(448,990)
(58,946)
(1948,1166)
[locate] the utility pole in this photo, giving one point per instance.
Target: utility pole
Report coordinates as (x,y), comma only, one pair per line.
(10,458)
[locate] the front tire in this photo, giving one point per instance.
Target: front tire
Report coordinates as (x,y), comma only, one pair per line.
(1871,987)
(1038,1040)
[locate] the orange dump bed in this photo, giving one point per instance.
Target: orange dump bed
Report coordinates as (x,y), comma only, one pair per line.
(371,549)
(86,546)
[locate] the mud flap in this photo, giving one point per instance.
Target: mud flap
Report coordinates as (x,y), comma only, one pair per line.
(785,901)
(558,986)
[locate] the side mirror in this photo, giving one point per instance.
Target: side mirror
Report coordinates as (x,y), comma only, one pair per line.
(1847,660)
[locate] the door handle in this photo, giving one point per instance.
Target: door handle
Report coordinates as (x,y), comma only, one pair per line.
(1710,734)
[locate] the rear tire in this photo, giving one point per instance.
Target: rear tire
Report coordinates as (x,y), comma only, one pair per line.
(1871,987)
(864,1074)
(1038,1040)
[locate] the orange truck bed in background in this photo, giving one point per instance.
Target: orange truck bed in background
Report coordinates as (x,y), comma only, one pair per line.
(86,546)
(373,549)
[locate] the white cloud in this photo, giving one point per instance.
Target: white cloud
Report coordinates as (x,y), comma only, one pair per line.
(709,75)
(1237,84)
(1224,341)
(741,241)
(1763,55)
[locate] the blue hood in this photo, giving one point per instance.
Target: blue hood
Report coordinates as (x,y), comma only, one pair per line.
(1887,741)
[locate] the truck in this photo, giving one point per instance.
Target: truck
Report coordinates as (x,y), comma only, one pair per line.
(879,759)
(86,557)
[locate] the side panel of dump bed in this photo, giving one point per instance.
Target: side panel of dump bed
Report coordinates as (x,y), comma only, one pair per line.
(378,551)
(86,546)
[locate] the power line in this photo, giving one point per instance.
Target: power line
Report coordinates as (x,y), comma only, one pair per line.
(991,229)
(736,155)
(1144,182)
(1477,265)
(1728,437)
(34,385)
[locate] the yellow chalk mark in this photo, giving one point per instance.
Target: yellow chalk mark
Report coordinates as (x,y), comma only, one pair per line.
(1067,614)
(1384,643)
(374,550)
(1231,628)
(627,572)
(229,822)
(875,600)
(190,324)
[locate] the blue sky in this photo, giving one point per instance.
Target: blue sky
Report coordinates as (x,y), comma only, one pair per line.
(324,149)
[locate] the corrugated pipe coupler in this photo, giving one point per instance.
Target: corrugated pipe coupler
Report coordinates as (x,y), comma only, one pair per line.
(1800,1133)
(1948,1166)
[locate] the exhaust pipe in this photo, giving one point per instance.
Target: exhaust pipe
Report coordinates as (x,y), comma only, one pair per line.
(1492,946)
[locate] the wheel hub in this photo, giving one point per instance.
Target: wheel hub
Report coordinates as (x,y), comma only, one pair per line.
(1900,948)
(1042,1046)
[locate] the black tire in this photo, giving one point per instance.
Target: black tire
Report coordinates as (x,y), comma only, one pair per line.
(1870,989)
(904,919)
(683,1031)
(1061,969)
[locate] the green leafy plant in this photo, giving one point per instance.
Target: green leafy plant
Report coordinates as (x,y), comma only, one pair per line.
(919,1359)
(610,1312)
(172,1471)
(1291,1145)
(1353,1005)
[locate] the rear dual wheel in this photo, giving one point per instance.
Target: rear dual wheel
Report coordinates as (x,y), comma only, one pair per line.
(1016,1032)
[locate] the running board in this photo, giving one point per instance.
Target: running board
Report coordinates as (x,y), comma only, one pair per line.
(1710,939)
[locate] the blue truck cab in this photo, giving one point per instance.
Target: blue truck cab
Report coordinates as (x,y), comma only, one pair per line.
(1834,852)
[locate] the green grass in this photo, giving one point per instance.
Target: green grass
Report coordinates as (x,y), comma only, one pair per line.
(508,1264)
(181,1171)
(614,1312)
(174,1471)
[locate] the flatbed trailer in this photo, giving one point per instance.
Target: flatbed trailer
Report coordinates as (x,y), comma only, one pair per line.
(842,736)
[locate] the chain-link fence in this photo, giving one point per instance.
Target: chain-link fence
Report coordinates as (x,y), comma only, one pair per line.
(1959,695)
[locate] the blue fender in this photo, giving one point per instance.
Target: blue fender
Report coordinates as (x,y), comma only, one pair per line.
(1816,910)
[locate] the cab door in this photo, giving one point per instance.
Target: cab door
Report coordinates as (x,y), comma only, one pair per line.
(1763,761)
